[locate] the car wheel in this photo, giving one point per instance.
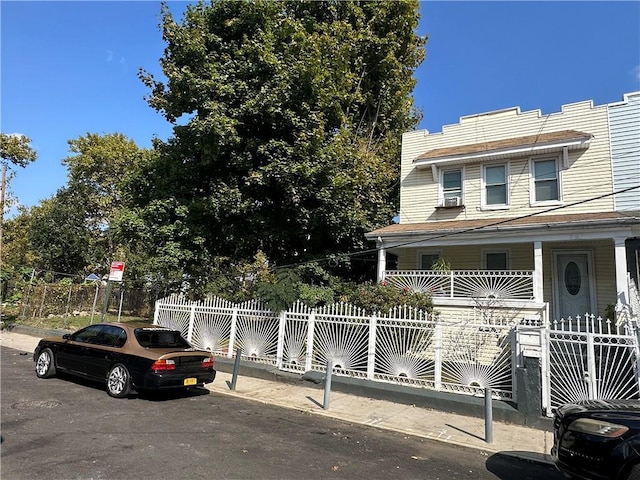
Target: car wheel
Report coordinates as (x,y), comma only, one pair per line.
(45,364)
(118,381)
(634,473)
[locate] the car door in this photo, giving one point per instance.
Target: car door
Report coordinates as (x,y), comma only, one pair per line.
(73,352)
(106,351)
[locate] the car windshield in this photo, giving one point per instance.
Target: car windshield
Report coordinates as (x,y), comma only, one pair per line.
(160,338)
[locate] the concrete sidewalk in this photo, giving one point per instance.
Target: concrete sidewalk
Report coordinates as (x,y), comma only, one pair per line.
(523,442)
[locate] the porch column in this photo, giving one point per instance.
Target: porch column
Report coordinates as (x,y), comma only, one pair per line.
(382,259)
(538,293)
(622,286)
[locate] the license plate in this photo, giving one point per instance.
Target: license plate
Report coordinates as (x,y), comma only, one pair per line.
(190,381)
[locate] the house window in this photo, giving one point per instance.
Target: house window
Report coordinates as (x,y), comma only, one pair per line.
(451,184)
(495,178)
(546,181)
(427,260)
(496,261)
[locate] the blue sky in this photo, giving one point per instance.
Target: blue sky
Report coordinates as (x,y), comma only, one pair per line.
(68,68)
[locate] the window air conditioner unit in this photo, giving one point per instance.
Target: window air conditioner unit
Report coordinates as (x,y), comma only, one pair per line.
(452,202)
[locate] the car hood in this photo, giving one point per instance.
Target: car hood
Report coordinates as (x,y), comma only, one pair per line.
(602,406)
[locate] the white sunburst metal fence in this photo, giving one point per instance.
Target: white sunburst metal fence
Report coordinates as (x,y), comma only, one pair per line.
(462,355)
(505,284)
(586,358)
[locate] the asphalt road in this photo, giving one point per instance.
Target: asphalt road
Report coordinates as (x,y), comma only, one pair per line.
(63,428)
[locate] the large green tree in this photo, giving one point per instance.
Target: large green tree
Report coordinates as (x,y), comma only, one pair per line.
(288,120)
(16,150)
(73,231)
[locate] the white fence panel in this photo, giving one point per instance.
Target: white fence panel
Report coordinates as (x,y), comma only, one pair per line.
(589,358)
(407,346)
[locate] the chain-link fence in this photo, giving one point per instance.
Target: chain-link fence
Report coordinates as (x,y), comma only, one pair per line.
(45,299)
(42,300)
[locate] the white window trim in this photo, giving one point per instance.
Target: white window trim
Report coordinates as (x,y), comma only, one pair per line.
(441,172)
(420,253)
(483,256)
(532,182)
(483,190)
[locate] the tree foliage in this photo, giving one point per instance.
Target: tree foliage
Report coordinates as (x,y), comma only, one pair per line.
(71,232)
(58,234)
(16,149)
(288,121)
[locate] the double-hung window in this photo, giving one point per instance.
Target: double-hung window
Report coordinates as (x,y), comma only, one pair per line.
(428,260)
(496,260)
(546,180)
(451,184)
(496,178)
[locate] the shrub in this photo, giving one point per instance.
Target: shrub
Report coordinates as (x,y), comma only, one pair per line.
(381,297)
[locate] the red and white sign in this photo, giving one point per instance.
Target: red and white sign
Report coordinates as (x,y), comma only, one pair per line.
(117,269)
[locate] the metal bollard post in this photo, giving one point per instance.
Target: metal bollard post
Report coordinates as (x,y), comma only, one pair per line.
(236,367)
(327,385)
(488,416)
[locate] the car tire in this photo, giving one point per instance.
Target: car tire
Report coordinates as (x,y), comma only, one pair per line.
(634,473)
(45,364)
(118,381)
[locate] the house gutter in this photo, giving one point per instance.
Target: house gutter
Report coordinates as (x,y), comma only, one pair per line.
(505,227)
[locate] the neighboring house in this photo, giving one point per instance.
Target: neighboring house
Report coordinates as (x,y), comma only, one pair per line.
(522,208)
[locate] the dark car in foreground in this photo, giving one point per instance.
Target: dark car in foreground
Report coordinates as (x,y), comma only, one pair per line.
(598,440)
(126,357)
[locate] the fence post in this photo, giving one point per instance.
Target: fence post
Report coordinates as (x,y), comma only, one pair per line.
(232,334)
(488,416)
(236,369)
(327,384)
(590,375)
(371,354)
(309,357)
(437,374)
(156,312)
(192,319)
(451,285)
(44,296)
(280,346)
(66,310)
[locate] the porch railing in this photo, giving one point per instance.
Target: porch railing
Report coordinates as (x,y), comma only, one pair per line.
(484,284)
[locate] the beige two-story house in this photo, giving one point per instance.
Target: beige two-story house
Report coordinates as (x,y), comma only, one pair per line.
(517,209)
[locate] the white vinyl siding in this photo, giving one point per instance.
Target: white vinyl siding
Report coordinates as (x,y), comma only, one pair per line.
(624,121)
(468,257)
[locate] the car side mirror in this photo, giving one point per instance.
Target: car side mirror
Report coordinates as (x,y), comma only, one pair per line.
(66,336)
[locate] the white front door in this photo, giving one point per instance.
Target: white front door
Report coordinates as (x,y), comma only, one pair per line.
(572,285)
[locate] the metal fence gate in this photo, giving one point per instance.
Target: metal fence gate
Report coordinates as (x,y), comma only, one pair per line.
(588,358)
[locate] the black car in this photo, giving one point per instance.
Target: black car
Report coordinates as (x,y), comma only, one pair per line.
(598,440)
(126,357)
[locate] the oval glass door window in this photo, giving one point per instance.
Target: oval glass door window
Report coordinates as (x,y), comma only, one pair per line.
(572,278)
